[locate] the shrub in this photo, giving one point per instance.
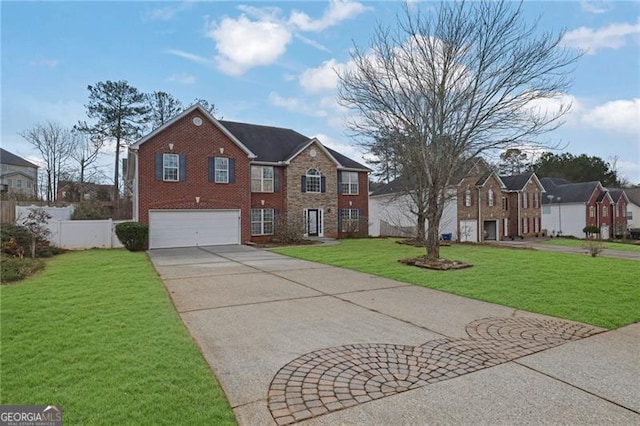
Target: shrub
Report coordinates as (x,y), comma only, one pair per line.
(90,211)
(16,269)
(593,247)
(289,228)
(591,230)
(133,235)
(15,239)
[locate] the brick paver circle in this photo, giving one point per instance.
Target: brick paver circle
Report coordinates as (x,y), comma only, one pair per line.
(336,378)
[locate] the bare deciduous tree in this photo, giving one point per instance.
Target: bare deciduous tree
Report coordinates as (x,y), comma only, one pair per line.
(162,108)
(54,143)
(451,85)
(86,149)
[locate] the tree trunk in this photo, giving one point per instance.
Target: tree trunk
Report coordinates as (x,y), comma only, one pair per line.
(33,247)
(434,214)
(420,236)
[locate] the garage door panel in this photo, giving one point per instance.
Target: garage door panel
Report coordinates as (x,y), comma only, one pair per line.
(469,231)
(180,228)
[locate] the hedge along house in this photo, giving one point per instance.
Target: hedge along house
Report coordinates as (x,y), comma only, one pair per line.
(201,181)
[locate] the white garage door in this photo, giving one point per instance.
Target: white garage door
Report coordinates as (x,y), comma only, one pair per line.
(469,231)
(187,228)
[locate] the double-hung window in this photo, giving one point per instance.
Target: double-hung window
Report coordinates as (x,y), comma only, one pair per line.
(222,170)
(350,220)
(262,221)
(349,183)
(262,179)
(525,200)
(536,200)
(313,181)
(490,198)
(170,168)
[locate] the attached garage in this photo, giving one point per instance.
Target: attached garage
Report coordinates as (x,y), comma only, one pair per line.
(188,228)
(468,231)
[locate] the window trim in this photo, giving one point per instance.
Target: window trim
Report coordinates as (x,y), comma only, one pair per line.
(525,200)
(349,183)
(468,201)
(219,169)
(310,177)
(262,179)
(166,168)
(490,197)
(348,218)
(262,222)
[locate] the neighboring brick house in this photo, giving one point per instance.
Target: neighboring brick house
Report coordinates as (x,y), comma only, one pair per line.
(569,207)
(201,181)
(492,207)
(18,176)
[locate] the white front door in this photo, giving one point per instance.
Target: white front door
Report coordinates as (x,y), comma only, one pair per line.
(604,232)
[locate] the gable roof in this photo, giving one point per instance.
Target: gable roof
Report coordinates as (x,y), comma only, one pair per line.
(261,143)
(617,194)
(568,193)
(519,182)
(633,195)
(134,146)
(7,157)
(485,177)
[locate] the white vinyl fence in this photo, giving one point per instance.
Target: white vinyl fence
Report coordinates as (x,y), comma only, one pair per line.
(82,234)
(76,234)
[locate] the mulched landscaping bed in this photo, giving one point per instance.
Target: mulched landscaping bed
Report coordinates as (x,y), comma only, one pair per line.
(439,265)
(415,243)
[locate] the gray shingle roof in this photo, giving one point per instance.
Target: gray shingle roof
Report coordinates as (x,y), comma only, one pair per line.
(634,195)
(516,182)
(7,157)
(569,192)
(274,144)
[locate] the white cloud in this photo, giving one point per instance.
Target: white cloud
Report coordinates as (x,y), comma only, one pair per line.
(630,170)
(613,36)
(324,77)
(182,78)
(243,44)
(621,116)
(595,6)
(190,56)
(167,13)
(296,105)
(337,12)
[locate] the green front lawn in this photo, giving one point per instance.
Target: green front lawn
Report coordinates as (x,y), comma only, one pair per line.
(566,242)
(96,333)
(599,291)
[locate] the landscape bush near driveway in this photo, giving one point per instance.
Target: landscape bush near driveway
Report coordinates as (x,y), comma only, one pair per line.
(599,291)
(97,334)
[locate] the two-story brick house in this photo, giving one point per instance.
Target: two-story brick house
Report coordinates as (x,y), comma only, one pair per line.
(201,181)
(570,207)
(493,207)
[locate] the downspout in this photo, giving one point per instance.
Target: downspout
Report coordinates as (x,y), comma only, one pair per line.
(480,226)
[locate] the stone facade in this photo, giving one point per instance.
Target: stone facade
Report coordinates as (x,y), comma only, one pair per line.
(314,157)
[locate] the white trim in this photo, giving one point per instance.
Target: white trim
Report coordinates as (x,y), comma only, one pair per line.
(136,145)
(136,181)
(307,145)
(305,212)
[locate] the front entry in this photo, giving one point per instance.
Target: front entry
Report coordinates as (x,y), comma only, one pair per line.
(313,222)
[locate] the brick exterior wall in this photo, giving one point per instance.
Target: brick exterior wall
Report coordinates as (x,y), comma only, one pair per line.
(360,202)
(197,143)
(481,212)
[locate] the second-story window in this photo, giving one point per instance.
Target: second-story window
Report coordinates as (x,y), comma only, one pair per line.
(525,200)
(467,197)
(261,179)
(605,211)
(222,170)
(536,200)
(313,180)
(349,183)
(170,167)
(490,199)
(592,211)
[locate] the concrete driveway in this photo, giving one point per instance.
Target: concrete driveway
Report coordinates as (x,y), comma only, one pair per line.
(293,341)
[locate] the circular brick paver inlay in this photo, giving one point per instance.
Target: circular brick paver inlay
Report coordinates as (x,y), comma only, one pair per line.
(335,378)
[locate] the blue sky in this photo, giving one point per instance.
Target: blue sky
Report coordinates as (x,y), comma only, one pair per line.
(272,63)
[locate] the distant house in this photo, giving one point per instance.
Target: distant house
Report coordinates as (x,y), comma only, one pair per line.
(493,207)
(633,209)
(390,212)
(569,207)
(17,175)
(76,191)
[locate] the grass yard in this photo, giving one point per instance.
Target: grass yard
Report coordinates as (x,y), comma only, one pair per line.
(599,291)
(608,245)
(96,333)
